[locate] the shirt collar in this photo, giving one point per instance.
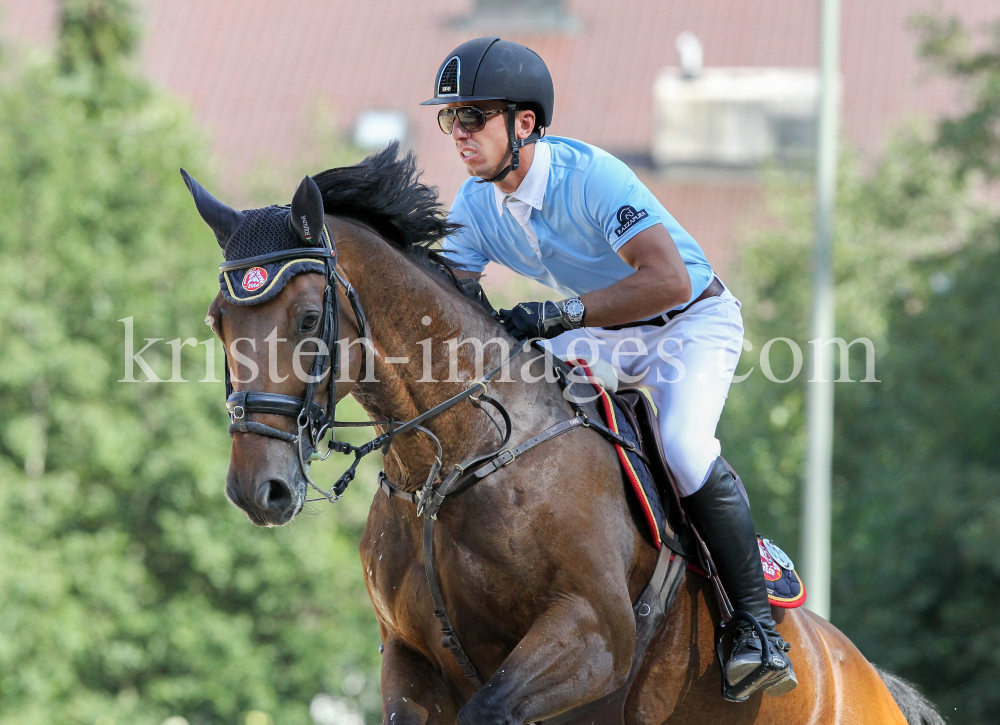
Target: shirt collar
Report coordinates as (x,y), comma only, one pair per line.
(532,188)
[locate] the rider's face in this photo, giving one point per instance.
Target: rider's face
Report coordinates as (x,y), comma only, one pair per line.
(484,151)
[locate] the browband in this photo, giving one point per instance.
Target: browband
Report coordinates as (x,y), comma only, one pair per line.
(275,257)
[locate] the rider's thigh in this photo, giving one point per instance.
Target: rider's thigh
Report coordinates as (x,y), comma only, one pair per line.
(688,369)
(584,344)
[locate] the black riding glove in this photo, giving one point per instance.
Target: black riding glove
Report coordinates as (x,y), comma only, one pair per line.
(535,319)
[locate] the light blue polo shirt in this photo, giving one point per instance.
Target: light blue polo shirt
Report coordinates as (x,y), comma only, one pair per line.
(592,205)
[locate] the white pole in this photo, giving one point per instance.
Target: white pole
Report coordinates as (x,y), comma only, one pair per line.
(819,390)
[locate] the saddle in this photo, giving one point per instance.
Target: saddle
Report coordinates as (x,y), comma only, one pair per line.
(784,587)
(629,413)
(630,426)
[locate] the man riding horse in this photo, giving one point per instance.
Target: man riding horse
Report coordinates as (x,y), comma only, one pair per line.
(639,293)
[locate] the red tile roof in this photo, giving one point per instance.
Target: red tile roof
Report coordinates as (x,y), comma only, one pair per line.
(254,69)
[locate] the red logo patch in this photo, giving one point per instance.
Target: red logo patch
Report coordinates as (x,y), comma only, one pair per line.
(254,279)
(772,572)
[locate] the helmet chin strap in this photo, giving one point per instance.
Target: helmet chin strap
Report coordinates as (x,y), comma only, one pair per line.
(515,145)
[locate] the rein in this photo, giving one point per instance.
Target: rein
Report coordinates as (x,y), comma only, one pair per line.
(312,419)
(314,422)
(384,440)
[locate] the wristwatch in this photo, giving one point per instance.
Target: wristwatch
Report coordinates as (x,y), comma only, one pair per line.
(573,310)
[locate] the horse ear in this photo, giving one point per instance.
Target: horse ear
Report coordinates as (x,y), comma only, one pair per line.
(223,219)
(306,216)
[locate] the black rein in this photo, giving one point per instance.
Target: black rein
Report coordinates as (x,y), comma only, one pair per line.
(314,422)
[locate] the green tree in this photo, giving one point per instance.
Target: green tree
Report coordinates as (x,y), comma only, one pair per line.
(906,207)
(916,459)
(131,590)
(919,468)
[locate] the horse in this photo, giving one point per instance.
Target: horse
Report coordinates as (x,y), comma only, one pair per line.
(537,565)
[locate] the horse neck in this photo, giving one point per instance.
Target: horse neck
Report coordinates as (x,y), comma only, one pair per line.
(398,295)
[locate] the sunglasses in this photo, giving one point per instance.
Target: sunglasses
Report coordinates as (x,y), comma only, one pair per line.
(472,119)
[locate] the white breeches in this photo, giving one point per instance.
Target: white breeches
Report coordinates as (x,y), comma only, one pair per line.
(687,366)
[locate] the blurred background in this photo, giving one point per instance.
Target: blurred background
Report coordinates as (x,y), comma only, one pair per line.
(131,592)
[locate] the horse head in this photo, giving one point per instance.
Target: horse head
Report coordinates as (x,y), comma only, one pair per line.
(279,316)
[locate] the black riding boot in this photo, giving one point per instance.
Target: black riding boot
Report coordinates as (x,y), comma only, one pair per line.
(723,517)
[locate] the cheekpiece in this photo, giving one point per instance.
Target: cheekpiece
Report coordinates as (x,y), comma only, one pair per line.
(264,253)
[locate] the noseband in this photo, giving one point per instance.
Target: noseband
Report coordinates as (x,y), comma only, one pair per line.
(312,420)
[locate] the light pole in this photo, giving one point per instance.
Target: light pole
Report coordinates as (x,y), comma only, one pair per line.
(819,389)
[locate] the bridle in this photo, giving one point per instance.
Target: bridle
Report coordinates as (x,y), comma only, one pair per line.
(313,420)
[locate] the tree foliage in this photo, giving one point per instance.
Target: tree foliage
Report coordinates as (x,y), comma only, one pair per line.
(972,138)
(916,460)
(131,590)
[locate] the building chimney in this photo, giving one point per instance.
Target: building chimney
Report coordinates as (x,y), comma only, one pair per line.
(692,54)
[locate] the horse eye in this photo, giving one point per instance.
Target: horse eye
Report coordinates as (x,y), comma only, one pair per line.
(310,321)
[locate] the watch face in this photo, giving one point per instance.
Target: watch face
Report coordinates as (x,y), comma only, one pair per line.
(574,308)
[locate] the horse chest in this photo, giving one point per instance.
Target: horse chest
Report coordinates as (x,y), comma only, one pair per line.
(472,567)
(393,568)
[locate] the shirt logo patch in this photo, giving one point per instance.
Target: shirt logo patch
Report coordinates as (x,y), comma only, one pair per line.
(628,217)
(254,279)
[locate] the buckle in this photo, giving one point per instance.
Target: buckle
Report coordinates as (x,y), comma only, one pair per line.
(506,457)
(238,412)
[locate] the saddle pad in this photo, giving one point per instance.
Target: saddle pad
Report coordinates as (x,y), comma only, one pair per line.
(784,588)
(636,473)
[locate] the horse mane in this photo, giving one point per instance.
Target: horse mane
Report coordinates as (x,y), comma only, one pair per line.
(384,192)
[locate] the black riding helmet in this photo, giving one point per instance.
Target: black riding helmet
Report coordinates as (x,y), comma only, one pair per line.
(491,69)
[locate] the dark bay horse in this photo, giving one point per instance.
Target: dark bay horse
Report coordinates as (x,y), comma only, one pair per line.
(540,563)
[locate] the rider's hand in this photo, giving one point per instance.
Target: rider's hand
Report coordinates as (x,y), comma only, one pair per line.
(535,319)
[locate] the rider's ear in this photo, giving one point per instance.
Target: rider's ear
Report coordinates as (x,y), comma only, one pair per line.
(223,220)
(525,122)
(306,216)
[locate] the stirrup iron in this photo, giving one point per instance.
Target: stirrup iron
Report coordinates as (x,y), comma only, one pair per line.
(769,664)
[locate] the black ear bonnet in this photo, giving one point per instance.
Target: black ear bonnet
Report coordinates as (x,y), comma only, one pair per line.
(258,264)
(264,248)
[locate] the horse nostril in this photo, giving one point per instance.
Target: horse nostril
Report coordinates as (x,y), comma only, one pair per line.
(274,495)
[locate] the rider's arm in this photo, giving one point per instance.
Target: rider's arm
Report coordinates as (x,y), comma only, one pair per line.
(661,282)
(463,274)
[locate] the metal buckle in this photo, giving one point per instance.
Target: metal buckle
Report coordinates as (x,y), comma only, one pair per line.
(238,412)
(506,457)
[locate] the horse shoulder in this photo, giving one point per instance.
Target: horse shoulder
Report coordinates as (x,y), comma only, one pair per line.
(393,572)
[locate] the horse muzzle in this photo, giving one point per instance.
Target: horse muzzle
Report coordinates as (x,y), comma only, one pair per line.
(270,494)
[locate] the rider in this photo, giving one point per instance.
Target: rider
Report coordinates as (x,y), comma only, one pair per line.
(639,292)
